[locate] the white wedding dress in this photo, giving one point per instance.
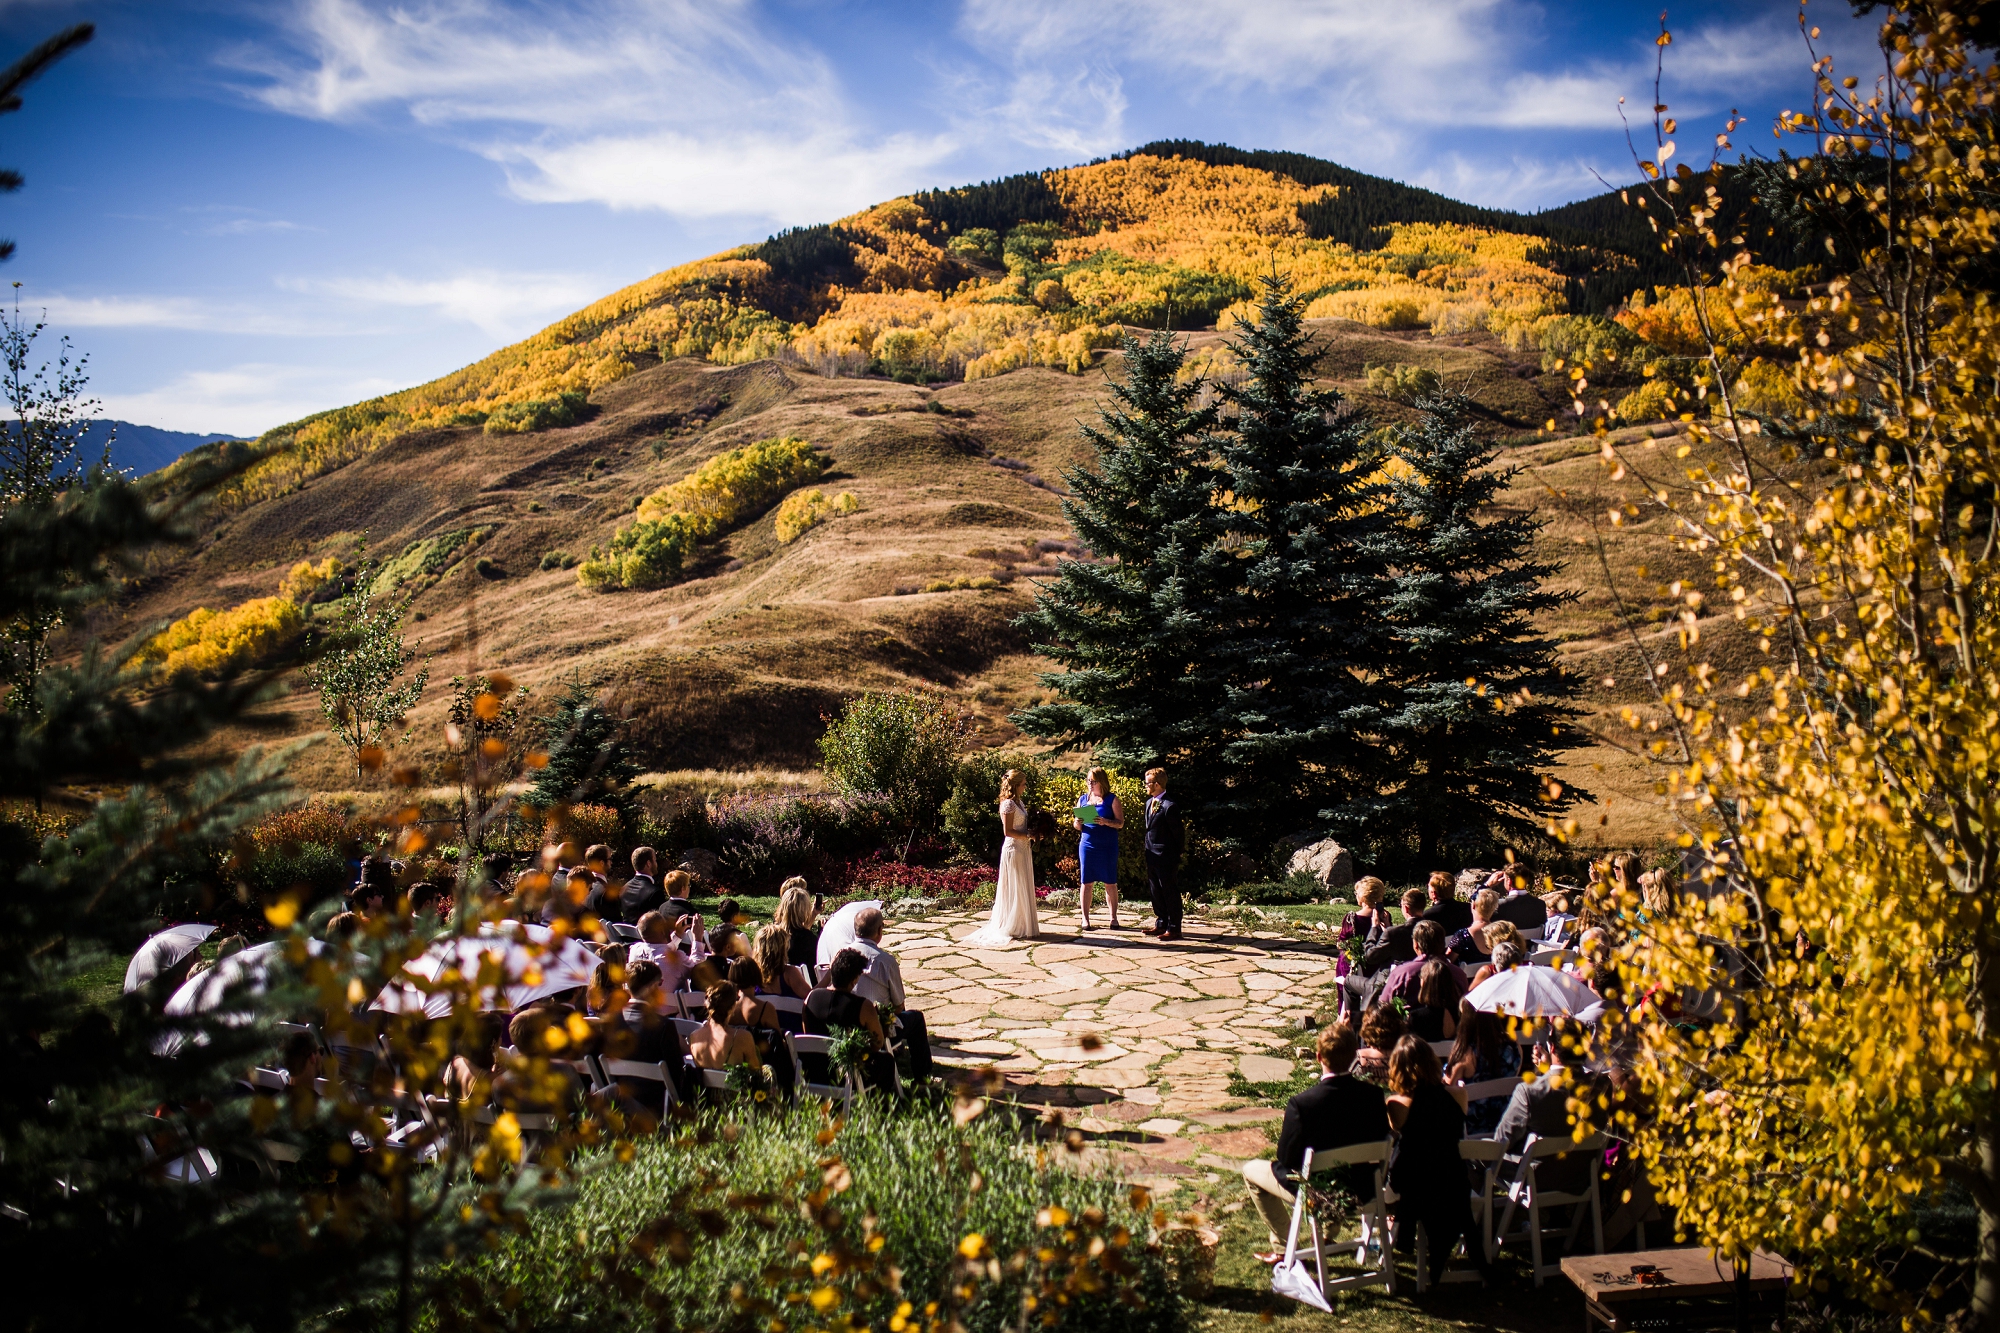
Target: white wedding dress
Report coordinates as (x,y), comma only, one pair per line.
(1013,915)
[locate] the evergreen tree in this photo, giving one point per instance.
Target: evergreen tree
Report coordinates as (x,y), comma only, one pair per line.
(1302,643)
(587,761)
(1130,629)
(1480,696)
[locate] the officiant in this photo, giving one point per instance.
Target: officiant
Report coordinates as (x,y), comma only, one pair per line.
(1098,818)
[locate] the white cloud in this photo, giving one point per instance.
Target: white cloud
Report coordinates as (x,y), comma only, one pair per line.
(170,312)
(691,107)
(245,399)
(503,305)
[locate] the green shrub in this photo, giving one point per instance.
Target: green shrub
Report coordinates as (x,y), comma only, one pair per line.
(977,243)
(565,409)
(1059,795)
(1652,401)
(903,745)
(971,814)
(699,1229)
(427,559)
(320,870)
(1404,383)
(558,560)
(1293,889)
(1610,351)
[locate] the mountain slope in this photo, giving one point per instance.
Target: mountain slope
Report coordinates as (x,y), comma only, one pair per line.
(938,363)
(142,449)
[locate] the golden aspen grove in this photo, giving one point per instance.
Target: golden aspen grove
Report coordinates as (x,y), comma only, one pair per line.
(1813,1020)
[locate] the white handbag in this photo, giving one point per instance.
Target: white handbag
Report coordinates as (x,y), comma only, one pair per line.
(1290,1277)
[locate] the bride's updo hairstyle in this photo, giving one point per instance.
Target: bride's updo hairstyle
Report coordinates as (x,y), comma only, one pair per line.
(1012,784)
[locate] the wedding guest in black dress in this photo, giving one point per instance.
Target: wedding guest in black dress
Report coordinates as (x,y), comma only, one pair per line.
(1427,1173)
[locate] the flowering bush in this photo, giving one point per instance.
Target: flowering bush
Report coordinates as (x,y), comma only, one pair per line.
(880,876)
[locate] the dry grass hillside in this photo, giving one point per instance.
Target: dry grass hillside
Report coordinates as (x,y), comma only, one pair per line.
(733,667)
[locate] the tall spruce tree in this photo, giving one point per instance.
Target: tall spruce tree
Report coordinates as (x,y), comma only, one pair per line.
(1302,642)
(1130,628)
(1480,706)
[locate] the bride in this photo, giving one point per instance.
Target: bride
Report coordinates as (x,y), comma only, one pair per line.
(1013,915)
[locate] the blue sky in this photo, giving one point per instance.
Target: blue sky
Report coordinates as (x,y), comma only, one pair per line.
(247,210)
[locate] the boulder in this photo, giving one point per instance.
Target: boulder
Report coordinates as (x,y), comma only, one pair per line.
(913,907)
(1469,882)
(699,863)
(1327,862)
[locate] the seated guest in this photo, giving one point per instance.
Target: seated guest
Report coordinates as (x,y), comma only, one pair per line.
(729,912)
(540,1031)
(1336,1112)
(795,913)
(430,904)
(1540,1106)
(1526,910)
(658,942)
(761,1018)
(1405,978)
(339,927)
(1434,1017)
(835,1005)
(679,888)
(882,983)
(644,1032)
(728,944)
(1446,908)
(1427,1174)
(1364,986)
(1481,1053)
(771,949)
(1505,955)
(565,884)
(1561,925)
(1470,947)
(1381,1028)
(642,893)
(374,890)
(600,899)
(1368,923)
(716,1044)
(608,991)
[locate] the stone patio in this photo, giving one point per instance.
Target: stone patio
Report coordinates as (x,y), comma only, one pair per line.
(1131,1040)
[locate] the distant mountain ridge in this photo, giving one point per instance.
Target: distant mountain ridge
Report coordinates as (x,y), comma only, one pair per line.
(141,449)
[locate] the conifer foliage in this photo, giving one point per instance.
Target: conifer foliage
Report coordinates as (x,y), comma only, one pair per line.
(1479,697)
(1289,626)
(587,760)
(1305,640)
(1128,628)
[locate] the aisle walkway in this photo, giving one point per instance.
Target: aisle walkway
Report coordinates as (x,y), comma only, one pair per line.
(1172,1022)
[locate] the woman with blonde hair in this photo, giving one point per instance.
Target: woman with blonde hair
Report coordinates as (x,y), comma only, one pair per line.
(1013,917)
(795,913)
(772,950)
(1097,850)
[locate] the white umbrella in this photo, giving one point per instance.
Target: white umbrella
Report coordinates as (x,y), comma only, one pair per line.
(533,966)
(247,971)
(839,932)
(1532,992)
(163,953)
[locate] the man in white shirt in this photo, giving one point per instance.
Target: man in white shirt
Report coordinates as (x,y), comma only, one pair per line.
(882,983)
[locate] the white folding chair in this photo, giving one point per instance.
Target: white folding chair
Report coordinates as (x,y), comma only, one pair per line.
(693,1004)
(1486,1157)
(1442,1048)
(821,1046)
(1527,1192)
(1376,1230)
(1556,957)
(784,1004)
(686,1026)
(716,1080)
(610,1071)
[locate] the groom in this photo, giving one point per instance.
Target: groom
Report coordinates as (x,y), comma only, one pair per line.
(1163,856)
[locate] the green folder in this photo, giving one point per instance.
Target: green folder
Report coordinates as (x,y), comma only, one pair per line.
(1087,813)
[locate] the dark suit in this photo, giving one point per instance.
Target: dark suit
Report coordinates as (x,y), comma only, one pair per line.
(642,894)
(1528,912)
(1395,948)
(1335,1112)
(1541,1108)
(1165,838)
(1452,914)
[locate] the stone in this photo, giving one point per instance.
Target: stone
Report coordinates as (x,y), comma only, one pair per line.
(1162,1126)
(1330,865)
(1264,1069)
(913,906)
(699,863)
(1468,883)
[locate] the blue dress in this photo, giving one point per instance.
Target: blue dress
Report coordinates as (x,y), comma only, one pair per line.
(1098,851)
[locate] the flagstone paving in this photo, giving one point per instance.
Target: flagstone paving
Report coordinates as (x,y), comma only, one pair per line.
(1131,1040)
